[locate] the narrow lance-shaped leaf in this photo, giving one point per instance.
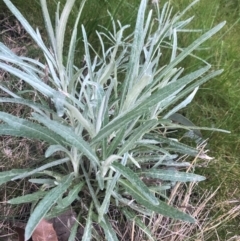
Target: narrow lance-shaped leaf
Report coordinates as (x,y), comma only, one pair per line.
(87,235)
(29,29)
(72,45)
(136,181)
(48,24)
(41,168)
(137,44)
(142,107)
(109,190)
(60,32)
(140,131)
(32,80)
(70,136)
(8,175)
(45,205)
(37,107)
(54,148)
(27,128)
(193,46)
(28,198)
(161,208)
(172,175)
(72,196)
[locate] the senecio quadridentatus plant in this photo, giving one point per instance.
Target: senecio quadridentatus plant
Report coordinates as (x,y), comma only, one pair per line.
(107,118)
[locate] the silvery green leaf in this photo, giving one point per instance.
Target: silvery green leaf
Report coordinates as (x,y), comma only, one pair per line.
(41,168)
(45,181)
(133,205)
(22,127)
(136,90)
(134,161)
(60,33)
(158,96)
(8,175)
(87,235)
(109,190)
(32,80)
(28,198)
(54,148)
(29,29)
(59,100)
(35,106)
(71,137)
(136,182)
(72,45)
(107,163)
(48,24)
(183,104)
(172,175)
(117,141)
(71,197)
(137,134)
(137,45)
(161,208)
(45,205)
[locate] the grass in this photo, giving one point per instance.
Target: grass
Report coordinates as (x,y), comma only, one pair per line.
(217,103)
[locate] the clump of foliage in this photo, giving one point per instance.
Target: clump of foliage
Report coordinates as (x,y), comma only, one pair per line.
(106,122)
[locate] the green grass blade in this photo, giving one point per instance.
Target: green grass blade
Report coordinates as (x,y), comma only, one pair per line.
(45,205)
(136,182)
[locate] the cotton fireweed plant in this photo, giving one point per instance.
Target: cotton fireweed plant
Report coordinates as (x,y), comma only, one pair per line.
(108,118)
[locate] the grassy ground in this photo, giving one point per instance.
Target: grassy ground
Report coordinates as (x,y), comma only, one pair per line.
(217,104)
